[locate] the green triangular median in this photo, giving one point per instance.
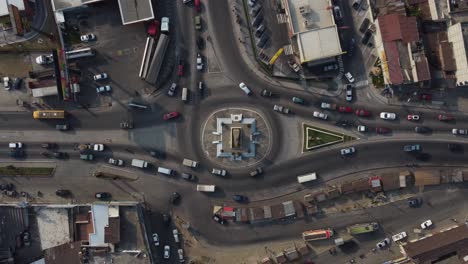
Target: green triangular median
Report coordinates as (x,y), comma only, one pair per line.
(316,137)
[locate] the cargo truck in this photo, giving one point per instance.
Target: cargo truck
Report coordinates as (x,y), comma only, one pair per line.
(363,228)
(307,177)
(206,188)
(139,163)
(190,163)
(318,234)
(49,114)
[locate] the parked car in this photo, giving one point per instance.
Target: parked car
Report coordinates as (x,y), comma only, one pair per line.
(17,83)
(171,115)
(188,176)
(260,30)
(6,83)
(281,109)
(349,77)
(444,117)
(362,113)
(103,89)
(218,172)
(347,151)
(383,243)
(197,20)
(219,219)
(422,129)
(180,253)
(338,14)
(426,224)
(262,41)
(199,62)
(413,117)
(155,239)
(460,132)
(455,147)
(63,193)
(98,147)
(102,195)
(349,92)
(255,10)
(200,43)
(364,25)
(332,67)
(320,115)
(298,100)
(172,89)
(239,198)
(382,130)
(167,251)
(116,162)
(387,116)
(325,105)
(415,202)
(365,39)
(175,197)
(412,148)
(164,24)
(266,93)
(294,66)
(256,172)
(100,76)
(399,236)
(245,88)
(345,109)
(87,37)
(153,28)
(361,128)
(26,238)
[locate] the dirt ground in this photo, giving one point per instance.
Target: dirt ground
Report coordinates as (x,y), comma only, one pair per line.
(15,64)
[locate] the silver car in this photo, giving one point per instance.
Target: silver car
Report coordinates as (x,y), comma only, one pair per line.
(167,251)
(383,243)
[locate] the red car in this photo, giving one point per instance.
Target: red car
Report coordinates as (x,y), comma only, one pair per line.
(171,115)
(362,112)
(413,117)
(197,6)
(153,28)
(443,117)
(345,109)
(180,68)
(382,130)
(426,97)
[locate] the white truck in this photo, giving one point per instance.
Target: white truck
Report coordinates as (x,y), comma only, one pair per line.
(44,59)
(139,163)
(206,188)
(190,163)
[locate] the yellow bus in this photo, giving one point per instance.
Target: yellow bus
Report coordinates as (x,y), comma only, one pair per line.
(49,114)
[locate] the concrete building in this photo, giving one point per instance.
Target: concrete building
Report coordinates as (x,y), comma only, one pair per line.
(439,246)
(312,28)
(458,36)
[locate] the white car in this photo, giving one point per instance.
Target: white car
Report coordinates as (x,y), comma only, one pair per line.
(320,115)
(387,116)
(399,236)
(347,151)
(180,252)
(6,83)
(103,89)
(100,76)
(281,109)
(116,162)
(15,145)
(349,77)
(88,37)
(426,224)
(175,232)
(156,239)
(218,172)
(245,88)
(361,128)
(383,243)
(167,251)
(98,147)
(325,105)
(457,131)
(165,24)
(199,62)
(349,92)
(44,59)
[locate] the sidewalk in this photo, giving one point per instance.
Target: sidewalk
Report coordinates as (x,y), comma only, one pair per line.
(241,32)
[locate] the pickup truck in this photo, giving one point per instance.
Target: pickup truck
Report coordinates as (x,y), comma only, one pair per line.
(330,106)
(294,66)
(190,163)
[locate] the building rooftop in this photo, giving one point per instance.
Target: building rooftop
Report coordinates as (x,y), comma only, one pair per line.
(100,219)
(133,11)
(313,24)
(58,5)
(4,6)
(458,6)
(431,248)
(65,253)
(395,27)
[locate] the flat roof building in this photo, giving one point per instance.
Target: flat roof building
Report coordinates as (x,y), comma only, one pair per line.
(312,25)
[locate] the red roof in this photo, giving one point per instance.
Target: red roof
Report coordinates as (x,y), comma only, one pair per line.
(393,62)
(398,27)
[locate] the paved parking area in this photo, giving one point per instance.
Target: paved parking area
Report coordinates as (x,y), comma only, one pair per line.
(119,50)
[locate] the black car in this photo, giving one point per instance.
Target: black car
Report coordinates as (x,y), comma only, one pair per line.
(262,41)
(364,25)
(166,219)
(7,186)
(415,202)
(343,123)
(17,153)
(423,156)
(188,177)
(48,145)
(102,195)
(240,198)
(455,147)
(62,127)
(26,238)
(200,43)
(59,155)
(422,129)
(17,83)
(63,193)
(366,37)
(175,197)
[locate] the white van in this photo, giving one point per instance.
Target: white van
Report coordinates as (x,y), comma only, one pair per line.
(164,171)
(184,94)
(307,177)
(206,188)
